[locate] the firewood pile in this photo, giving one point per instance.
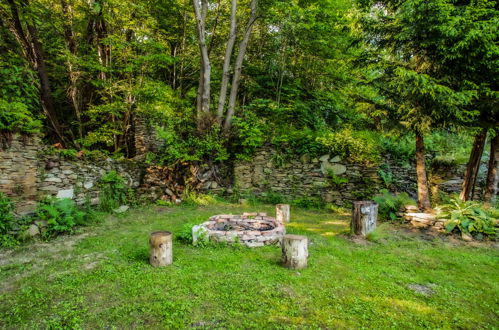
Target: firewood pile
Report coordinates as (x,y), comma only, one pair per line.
(169,183)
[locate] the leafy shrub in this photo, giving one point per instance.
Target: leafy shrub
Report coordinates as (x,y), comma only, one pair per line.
(292,141)
(336,181)
(15,116)
(386,175)
(112,191)
(193,198)
(309,203)
(272,197)
(356,146)
(250,134)
(182,141)
(401,149)
(468,217)
(184,235)
(6,221)
(62,215)
(390,204)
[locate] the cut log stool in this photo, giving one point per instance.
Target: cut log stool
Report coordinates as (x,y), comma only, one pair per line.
(161,253)
(282,213)
(364,217)
(294,251)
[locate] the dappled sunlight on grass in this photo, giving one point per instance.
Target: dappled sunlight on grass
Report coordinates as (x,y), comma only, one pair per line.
(104,279)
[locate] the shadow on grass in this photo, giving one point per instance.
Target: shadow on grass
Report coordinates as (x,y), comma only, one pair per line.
(137,255)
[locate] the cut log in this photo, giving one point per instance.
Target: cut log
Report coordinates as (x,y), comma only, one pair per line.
(161,253)
(282,213)
(294,251)
(364,217)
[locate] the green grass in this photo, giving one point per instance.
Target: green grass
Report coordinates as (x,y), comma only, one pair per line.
(102,279)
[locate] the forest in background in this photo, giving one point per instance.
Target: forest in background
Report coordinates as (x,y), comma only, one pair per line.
(361,79)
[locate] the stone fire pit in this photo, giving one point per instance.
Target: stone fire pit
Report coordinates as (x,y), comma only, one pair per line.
(250,229)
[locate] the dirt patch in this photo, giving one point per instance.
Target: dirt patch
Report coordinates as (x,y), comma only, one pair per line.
(426,290)
(359,240)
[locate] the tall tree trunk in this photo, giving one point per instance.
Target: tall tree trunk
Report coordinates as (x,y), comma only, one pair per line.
(239,65)
(473,166)
(226,67)
(74,92)
(491,187)
(33,51)
(203,103)
(422,180)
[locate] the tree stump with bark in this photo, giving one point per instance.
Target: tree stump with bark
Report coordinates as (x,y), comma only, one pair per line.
(282,213)
(364,217)
(161,248)
(294,251)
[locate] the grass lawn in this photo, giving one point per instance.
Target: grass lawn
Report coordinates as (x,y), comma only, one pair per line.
(101,279)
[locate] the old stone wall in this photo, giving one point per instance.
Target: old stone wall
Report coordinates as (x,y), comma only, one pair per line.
(338,181)
(79,179)
(27,174)
(18,166)
(327,177)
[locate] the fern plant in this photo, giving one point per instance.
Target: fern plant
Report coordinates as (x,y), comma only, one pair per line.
(6,213)
(468,218)
(390,204)
(6,221)
(62,215)
(112,191)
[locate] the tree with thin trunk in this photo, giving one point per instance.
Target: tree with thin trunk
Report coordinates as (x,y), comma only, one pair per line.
(422,179)
(223,116)
(492,183)
(23,28)
(416,88)
(473,166)
(73,91)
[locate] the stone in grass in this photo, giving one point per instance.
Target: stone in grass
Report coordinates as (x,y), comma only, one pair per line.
(425,290)
(122,209)
(32,231)
(199,234)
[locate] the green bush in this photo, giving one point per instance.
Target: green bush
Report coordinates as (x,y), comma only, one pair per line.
(112,191)
(314,203)
(390,204)
(356,146)
(6,221)
(469,218)
(62,215)
(272,197)
(184,235)
(15,116)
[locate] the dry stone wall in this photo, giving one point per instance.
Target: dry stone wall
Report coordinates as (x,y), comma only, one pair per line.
(338,181)
(18,167)
(327,177)
(26,174)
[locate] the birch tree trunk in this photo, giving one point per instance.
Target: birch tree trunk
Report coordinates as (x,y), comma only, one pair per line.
(422,180)
(203,97)
(227,58)
(473,166)
(239,65)
(492,185)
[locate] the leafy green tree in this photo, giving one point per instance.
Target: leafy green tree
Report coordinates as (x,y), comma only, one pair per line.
(408,38)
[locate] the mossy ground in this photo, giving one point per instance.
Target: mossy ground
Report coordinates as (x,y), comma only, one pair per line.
(102,279)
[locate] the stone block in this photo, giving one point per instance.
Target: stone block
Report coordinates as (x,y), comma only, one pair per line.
(65,193)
